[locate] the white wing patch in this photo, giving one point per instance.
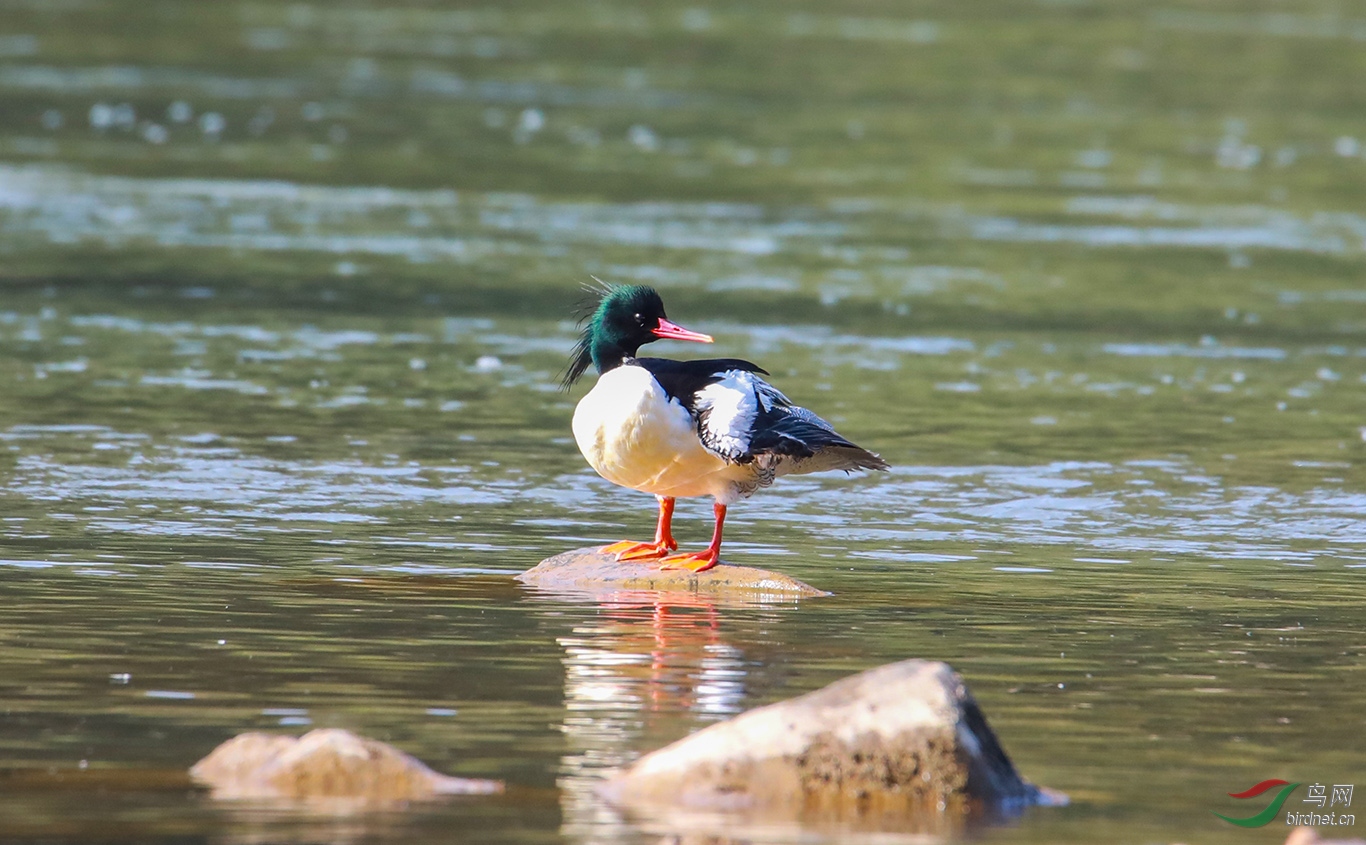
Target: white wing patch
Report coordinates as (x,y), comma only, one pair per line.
(726,411)
(768,394)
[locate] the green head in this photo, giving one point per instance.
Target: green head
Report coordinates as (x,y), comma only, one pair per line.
(626,318)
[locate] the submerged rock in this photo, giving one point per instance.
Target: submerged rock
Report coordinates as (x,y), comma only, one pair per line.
(901,746)
(588,571)
(330,764)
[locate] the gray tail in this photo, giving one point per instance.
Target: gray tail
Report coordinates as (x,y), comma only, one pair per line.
(845,456)
(856,457)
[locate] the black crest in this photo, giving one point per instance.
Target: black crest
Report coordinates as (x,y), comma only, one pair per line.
(582,355)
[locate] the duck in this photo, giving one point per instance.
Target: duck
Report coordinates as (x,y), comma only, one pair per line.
(679,429)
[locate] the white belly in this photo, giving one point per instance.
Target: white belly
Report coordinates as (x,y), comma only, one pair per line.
(634,435)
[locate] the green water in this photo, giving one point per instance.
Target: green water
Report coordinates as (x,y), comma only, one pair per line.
(286,290)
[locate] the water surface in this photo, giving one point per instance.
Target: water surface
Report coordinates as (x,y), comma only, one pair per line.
(288,289)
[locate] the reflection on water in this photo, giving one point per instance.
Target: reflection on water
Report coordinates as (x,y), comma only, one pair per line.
(639,664)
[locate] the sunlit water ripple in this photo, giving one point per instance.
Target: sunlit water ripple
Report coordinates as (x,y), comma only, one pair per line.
(1139,508)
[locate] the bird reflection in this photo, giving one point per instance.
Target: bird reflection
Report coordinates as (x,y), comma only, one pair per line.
(644,670)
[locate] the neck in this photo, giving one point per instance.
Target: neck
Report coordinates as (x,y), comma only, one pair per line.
(608,355)
(593,349)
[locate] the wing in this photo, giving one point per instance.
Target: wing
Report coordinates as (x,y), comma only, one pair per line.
(743,419)
(729,409)
(721,394)
(792,439)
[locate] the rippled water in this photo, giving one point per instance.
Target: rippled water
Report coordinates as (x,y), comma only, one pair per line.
(288,289)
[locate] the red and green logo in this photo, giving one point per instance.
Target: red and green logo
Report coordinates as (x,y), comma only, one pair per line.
(1271,810)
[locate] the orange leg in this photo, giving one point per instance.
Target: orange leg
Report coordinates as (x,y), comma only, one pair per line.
(664,538)
(708,557)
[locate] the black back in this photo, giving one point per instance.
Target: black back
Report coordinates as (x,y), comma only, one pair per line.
(682,379)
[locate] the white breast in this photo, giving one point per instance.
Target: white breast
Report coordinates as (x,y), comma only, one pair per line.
(634,435)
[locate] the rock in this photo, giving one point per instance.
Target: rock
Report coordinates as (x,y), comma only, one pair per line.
(329,764)
(1310,836)
(901,745)
(589,572)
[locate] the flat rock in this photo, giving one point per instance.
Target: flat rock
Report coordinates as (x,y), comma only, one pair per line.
(329,765)
(588,571)
(902,746)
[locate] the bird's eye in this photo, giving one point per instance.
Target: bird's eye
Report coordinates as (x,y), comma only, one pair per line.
(640,319)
